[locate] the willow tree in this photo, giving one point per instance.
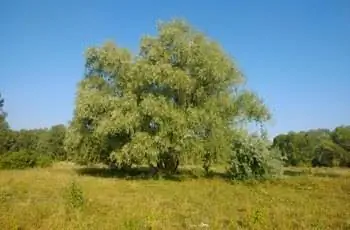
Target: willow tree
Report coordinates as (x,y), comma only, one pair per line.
(182,96)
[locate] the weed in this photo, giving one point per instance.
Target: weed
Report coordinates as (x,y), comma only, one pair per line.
(74,196)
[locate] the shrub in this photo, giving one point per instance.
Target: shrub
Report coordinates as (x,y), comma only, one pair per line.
(74,196)
(23,159)
(43,161)
(252,159)
(17,160)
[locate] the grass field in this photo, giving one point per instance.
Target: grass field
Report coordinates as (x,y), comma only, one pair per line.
(63,197)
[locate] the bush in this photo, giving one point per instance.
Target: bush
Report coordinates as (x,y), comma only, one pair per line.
(23,159)
(43,161)
(18,160)
(252,159)
(74,196)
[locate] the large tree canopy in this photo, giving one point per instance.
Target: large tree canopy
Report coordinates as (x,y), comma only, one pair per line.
(182,96)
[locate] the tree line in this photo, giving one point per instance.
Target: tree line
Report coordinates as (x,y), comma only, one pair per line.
(318,147)
(180,100)
(30,147)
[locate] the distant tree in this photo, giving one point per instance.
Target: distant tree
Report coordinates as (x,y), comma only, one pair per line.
(1,103)
(318,147)
(281,142)
(341,136)
(294,147)
(328,154)
(26,140)
(3,123)
(34,141)
(4,128)
(51,142)
(181,96)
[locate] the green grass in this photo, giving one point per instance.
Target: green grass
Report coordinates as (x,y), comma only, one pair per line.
(62,197)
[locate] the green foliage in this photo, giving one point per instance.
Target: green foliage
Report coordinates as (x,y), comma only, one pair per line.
(320,147)
(43,161)
(26,140)
(254,219)
(329,154)
(341,136)
(74,196)
(51,142)
(47,144)
(180,98)
(18,160)
(1,102)
(24,159)
(42,141)
(4,129)
(7,140)
(3,123)
(252,159)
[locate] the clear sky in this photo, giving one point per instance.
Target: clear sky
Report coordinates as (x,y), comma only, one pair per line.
(295,53)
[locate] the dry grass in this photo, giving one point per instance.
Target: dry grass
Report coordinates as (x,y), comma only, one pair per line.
(38,198)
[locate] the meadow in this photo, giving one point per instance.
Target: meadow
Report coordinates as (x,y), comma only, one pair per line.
(66,196)
(181,99)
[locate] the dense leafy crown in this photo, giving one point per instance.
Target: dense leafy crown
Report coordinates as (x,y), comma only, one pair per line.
(180,96)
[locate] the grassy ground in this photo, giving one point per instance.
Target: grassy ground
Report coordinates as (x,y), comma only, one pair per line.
(63,198)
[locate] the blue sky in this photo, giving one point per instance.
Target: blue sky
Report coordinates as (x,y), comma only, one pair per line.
(295,54)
